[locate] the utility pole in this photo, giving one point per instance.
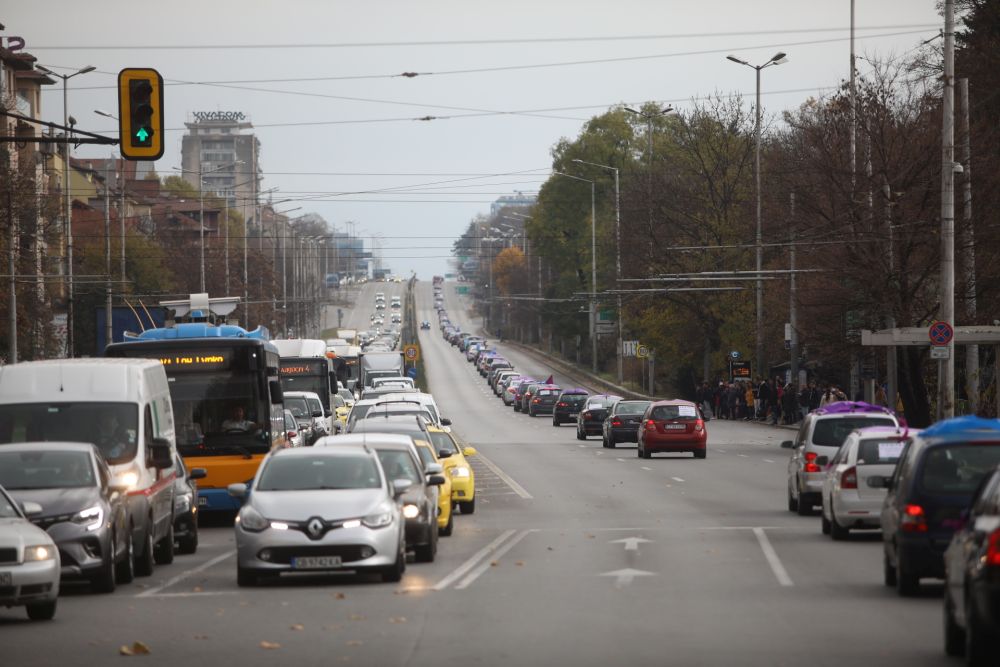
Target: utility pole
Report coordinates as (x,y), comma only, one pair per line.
(12,270)
(892,377)
(760,241)
(946,374)
(593,277)
(107,253)
(121,215)
(854,108)
(225,214)
(793,321)
(969,248)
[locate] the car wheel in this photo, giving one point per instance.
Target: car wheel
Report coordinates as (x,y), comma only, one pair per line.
(954,636)
(907,583)
(41,611)
(394,572)
(467,506)
(555,422)
(126,567)
(144,559)
(449,527)
(105,581)
(888,571)
(646,454)
(189,543)
(804,508)
(611,442)
(163,553)
(700,453)
(425,553)
(837,531)
(246,577)
(980,647)
(579,434)
(824,524)
(517,408)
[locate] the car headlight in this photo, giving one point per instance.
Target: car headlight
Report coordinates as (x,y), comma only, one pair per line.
(252,520)
(378,520)
(182,503)
(459,471)
(411,511)
(39,552)
(90,518)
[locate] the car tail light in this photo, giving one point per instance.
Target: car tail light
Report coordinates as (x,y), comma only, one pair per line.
(849,478)
(586,415)
(699,425)
(993,549)
(537,400)
(616,422)
(291,434)
(913,520)
(650,425)
(811,462)
(563,404)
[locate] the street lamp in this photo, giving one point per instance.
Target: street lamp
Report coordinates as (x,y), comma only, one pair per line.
(68,228)
(778,58)
(593,266)
(618,262)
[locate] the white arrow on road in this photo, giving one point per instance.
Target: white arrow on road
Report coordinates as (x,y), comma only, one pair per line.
(631,543)
(625,577)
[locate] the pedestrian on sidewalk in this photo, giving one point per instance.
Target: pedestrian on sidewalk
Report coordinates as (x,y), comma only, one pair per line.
(751,410)
(763,400)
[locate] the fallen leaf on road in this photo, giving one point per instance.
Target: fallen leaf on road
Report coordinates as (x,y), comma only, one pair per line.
(357,617)
(398,619)
(519,563)
(494,563)
(298,626)
(137,648)
(197,589)
(201,636)
(550,548)
(340,596)
(354,642)
(590,537)
(270,645)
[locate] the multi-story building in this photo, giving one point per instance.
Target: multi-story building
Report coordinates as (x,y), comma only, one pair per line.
(221,147)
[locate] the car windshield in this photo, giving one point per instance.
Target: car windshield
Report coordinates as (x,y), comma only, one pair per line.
(398,464)
(290,424)
(959,468)
(297,406)
(45,470)
(309,473)
(7,509)
(113,427)
(442,442)
(314,405)
(631,407)
(426,455)
(575,399)
(833,431)
(668,412)
(875,451)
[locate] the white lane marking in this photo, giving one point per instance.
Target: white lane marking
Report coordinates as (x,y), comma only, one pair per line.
(772,558)
(518,489)
(471,562)
(721,450)
(743,455)
(768,461)
(194,594)
(631,543)
(581,446)
(625,577)
(185,574)
(677,479)
(485,565)
(646,468)
(622,460)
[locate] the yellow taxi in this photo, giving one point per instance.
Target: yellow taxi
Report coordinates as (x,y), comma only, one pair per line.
(446,522)
(456,468)
(340,410)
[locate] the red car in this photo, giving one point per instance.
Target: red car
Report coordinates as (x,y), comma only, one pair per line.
(673,426)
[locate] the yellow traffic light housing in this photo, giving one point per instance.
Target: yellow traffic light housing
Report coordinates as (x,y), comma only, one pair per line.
(140,114)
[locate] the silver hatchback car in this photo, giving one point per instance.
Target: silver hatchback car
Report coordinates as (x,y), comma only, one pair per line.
(320,509)
(822,433)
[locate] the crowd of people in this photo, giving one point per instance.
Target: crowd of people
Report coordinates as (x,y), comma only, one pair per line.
(768,400)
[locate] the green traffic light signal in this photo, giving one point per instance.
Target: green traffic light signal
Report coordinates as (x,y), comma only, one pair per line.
(140,113)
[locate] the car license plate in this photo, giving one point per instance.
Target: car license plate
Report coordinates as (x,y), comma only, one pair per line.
(6,579)
(674,427)
(315,562)
(202,501)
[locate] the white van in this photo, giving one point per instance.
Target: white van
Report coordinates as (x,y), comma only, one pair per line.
(122,406)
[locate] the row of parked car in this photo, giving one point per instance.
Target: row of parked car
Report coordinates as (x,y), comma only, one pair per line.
(933,493)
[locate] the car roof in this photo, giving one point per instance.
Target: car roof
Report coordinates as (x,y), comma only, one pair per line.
(962,429)
(301,394)
(851,407)
(317,451)
(576,390)
(390,424)
(373,440)
(55,446)
(668,401)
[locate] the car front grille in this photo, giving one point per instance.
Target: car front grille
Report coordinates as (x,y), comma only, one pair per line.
(347,552)
(8,555)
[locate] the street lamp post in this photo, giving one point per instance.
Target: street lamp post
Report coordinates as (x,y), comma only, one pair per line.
(618,262)
(593,267)
(777,59)
(68,227)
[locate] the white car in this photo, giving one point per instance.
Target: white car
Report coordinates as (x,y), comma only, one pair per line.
(393,381)
(29,562)
(293,432)
(321,422)
(848,502)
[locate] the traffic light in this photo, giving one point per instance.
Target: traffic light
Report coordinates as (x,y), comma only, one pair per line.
(140,114)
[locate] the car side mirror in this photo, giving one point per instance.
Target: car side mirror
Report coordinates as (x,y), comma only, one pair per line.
(445,453)
(435,480)
(197,473)
(445,421)
(787,444)
(433,469)
(31,508)
(469,451)
(238,490)
(327,413)
(400,486)
(277,396)
(318,413)
(159,454)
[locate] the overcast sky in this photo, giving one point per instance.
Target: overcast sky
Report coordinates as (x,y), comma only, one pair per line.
(355,130)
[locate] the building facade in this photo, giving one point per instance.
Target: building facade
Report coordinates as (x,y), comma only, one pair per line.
(221,147)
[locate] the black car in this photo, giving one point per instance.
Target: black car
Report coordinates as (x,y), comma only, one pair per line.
(972,580)
(623,422)
(543,401)
(591,418)
(568,405)
(186,507)
(425,325)
(934,481)
(82,513)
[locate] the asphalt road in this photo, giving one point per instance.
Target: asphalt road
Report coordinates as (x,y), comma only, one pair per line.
(575,555)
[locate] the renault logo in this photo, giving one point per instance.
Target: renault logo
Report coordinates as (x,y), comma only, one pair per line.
(315,528)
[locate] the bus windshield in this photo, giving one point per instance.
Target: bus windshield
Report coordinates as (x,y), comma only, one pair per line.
(307,375)
(219,412)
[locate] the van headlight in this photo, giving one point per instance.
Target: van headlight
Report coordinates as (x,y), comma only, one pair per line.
(90,518)
(39,552)
(251,520)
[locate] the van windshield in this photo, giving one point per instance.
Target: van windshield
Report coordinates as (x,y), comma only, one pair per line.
(958,469)
(113,427)
(833,431)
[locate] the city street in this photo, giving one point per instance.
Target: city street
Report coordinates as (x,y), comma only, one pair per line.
(575,554)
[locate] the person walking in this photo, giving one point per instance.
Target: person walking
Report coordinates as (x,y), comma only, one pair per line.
(763,400)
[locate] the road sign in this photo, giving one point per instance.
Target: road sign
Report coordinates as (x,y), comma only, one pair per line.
(939,352)
(412,372)
(940,333)
(642,352)
(630,348)
(739,370)
(411,352)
